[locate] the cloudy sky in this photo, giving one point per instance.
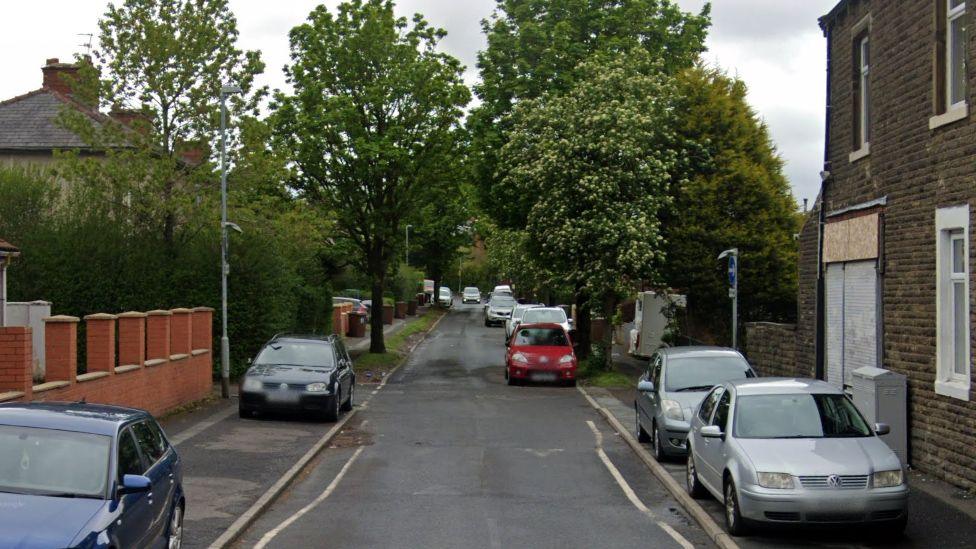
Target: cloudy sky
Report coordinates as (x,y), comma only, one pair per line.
(774,45)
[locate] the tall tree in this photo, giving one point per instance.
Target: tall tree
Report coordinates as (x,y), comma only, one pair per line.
(735,195)
(535,48)
(598,160)
(375,107)
(160,67)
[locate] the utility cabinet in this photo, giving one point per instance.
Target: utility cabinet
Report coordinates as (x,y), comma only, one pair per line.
(882,396)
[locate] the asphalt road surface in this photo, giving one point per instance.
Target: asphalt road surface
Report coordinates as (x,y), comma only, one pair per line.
(448,455)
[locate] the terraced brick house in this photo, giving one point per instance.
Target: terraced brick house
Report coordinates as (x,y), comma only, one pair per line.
(885,273)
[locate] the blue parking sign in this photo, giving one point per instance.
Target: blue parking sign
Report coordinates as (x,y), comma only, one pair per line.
(732,268)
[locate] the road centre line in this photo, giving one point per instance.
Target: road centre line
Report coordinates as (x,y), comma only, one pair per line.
(629,492)
(270,535)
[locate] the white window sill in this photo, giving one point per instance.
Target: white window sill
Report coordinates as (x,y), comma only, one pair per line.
(865,150)
(954,389)
(955,113)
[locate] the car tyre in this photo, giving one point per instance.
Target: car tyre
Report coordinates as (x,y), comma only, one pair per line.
(692,484)
(174,534)
(486,323)
(332,414)
(347,405)
(642,435)
(656,450)
(734,523)
(244,413)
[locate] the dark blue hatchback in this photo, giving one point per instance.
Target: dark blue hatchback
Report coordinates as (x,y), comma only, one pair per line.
(87,475)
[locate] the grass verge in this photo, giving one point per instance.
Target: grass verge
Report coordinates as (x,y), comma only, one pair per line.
(591,372)
(397,344)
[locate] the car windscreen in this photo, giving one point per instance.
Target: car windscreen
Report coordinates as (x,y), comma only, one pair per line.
(502,301)
(798,416)
(471,290)
(535,316)
(702,373)
(445,292)
(52,462)
(291,353)
(541,337)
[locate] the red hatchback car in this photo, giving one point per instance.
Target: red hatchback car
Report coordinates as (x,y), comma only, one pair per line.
(540,352)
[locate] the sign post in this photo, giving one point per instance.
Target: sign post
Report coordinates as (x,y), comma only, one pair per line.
(733,255)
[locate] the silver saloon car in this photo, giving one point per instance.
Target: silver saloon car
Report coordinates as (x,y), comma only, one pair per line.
(791,451)
(676,380)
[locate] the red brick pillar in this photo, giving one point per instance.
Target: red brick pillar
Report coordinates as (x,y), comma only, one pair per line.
(180,332)
(202,328)
(132,339)
(157,335)
(60,348)
(16,359)
(100,342)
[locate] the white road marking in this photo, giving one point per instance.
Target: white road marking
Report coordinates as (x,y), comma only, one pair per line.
(629,492)
(493,539)
(186,435)
(322,497)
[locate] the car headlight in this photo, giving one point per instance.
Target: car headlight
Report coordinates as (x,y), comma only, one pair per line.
(672,410)
(252,384)
(317,387)
(566,359)
(519,357)
(887,479)
(781,481)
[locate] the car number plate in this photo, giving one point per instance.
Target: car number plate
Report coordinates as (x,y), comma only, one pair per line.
(543,376)
(282,396)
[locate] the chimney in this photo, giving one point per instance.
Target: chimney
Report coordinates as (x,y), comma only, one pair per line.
(804,205)
(61,77)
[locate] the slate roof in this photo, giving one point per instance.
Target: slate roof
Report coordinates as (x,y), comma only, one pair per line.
(29,122)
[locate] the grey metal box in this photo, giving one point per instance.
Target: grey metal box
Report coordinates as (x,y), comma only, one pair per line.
(882,396)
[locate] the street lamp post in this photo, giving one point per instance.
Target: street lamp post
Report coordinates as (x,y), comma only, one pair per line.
(224,225)
(406,251)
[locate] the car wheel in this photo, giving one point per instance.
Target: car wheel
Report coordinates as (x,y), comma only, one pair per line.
(656,450)
(486,323)
(692,484)
(734,523)
(174,536)
(332,414)
(641,433)
(571,383)
(347,405)
(244,413)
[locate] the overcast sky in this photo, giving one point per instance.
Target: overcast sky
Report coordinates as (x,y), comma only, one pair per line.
(774,45)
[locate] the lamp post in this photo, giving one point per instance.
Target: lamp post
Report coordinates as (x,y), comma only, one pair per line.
(406,250)
(224,225)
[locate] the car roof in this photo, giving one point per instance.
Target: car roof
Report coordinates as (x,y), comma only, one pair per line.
(782,385)
(308,338)
(698,351)
(544,308)
(100,419)
(552,325)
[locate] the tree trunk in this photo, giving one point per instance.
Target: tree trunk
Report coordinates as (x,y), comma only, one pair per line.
(437,291)
(582,326)
(609,308)
(377,343)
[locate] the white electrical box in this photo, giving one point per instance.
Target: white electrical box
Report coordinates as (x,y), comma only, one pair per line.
(882,396)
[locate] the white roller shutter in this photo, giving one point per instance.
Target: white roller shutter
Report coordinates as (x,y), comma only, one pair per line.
(852,328)
(834,290)
(860,317)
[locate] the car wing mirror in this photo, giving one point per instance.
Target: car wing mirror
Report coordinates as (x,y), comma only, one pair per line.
(645,386)
(881,429)
(711,431)
(134,484)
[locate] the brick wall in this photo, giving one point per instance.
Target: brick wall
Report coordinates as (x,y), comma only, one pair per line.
(124,378)
(771,348)
(918,170)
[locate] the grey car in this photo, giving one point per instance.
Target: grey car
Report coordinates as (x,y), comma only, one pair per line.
(499,309)
(517,313)
(791,451)
(676,380)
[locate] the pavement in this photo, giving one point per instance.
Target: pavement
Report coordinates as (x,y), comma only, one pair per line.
(230,462)
(448,455)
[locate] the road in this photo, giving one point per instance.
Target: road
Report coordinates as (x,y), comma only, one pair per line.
(448,455)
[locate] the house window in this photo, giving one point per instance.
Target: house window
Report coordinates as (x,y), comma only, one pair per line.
(955,53)
(953,345)
(862,92)
(950,63)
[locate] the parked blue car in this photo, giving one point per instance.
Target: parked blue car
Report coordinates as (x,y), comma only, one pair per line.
(86,476)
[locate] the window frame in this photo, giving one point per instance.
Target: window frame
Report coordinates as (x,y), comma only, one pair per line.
(952,225)
(952,14)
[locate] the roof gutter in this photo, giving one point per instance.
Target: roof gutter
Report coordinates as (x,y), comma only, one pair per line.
(825,178)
